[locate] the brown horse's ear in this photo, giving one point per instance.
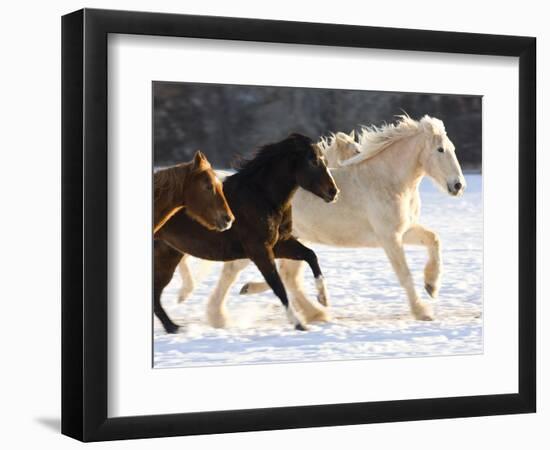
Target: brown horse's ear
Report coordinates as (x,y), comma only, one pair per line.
(200,161)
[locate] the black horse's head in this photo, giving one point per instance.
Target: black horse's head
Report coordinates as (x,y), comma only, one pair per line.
(312,173)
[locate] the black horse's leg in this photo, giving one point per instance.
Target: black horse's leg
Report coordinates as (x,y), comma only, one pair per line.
(265,261)
(165,262)
(291,248)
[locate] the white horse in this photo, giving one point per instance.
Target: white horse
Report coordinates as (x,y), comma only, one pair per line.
(378,206)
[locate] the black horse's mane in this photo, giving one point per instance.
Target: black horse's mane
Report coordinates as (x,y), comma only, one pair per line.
(268,154)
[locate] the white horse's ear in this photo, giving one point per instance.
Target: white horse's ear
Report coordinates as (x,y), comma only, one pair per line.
(429,125)
(352,134)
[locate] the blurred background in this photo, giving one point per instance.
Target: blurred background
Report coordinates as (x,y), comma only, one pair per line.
(225,121)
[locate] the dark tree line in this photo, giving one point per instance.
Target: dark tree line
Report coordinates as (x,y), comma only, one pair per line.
(228,120)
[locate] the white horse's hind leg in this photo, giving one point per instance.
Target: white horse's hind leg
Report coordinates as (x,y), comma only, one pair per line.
(215,310)
(420,235)
(187,281)
(394,250)
(292,272)
(256,287)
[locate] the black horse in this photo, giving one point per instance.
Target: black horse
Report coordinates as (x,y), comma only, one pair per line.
(259,195)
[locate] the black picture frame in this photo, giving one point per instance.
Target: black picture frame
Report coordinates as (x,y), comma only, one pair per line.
(84,224)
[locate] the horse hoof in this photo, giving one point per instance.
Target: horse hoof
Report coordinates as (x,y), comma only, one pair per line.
(319,316)
(430,289)
(423,312)
(171,328)
(244,289)
(426,318)
(300,327)
(218,320)
(322,300)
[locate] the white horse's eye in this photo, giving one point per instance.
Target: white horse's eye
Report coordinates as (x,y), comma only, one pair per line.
(440,150)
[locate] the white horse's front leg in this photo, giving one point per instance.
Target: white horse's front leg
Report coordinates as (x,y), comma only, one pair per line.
(215,310)
(420,235)
(394,250)
(292,273)
(187,281)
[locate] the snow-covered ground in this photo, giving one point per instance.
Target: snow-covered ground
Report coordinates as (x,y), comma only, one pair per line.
(370,314)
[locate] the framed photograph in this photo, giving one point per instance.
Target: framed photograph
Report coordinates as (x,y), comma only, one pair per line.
(273,224)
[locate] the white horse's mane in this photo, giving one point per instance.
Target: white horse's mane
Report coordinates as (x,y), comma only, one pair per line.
(374,140)
(327,142)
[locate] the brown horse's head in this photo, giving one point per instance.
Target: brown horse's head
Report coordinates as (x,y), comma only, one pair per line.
(204,198)
(312,173)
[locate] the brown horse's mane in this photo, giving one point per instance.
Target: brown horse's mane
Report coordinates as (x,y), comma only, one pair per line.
(169,184)
(170,180)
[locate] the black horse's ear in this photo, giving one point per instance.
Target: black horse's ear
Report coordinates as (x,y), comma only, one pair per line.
(298,137)
(293,136)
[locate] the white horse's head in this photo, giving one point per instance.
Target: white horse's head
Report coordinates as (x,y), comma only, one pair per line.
(438,157)
(339,147)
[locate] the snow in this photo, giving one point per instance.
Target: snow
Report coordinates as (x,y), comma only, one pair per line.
(369,309)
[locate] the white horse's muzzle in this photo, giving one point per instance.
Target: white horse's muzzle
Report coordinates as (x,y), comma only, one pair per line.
(456,187)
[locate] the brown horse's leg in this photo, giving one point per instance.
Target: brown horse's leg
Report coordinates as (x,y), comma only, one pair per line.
(165,262)
(293,249)
(265,261)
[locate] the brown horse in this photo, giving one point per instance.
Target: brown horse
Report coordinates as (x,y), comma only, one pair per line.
(195,187)
(259,195)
